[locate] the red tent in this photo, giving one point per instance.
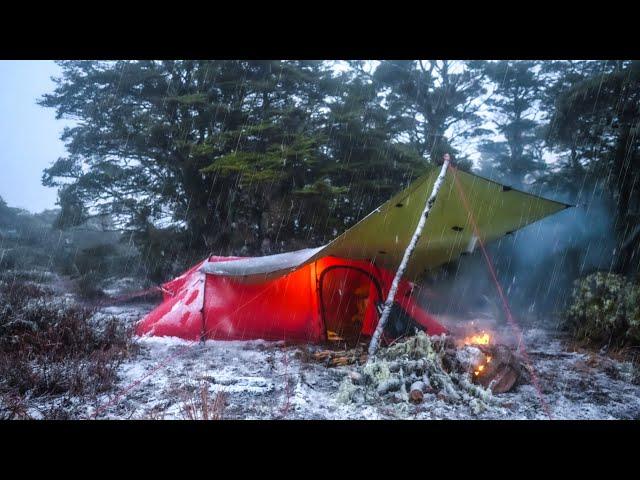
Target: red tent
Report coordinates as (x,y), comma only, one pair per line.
(328,297)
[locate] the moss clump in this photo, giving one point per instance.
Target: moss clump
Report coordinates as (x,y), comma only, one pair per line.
(605,310)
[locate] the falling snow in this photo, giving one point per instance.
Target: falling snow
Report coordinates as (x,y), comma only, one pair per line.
(564,130)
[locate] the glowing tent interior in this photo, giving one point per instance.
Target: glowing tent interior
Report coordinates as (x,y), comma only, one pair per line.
(315,294)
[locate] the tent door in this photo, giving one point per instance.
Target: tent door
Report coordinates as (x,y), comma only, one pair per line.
(346,295)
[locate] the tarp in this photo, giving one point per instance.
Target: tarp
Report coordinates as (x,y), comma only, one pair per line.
(383,235)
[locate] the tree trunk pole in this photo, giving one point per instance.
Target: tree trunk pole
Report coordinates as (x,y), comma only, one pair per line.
(375,339)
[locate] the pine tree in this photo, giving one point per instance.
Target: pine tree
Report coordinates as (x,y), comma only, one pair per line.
(367,164)
(432,103)
(596,120)
(194,144)
(513,107)
(224,156)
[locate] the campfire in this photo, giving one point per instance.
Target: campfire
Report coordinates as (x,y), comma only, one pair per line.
(480,368)
(482,338)
(421,368)
(494,365)
(479,339)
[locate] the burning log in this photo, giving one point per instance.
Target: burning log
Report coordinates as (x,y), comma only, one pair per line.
(493,366)
(501,369)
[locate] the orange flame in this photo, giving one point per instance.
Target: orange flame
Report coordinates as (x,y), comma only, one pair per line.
(479,339)
(479,370)
(482,338)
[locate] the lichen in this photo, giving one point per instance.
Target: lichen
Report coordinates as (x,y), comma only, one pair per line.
(390,374)
(346,391)
(377,371)
(417,347)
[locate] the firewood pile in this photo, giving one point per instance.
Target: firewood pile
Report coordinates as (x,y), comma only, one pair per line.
(422,368)
(338,358)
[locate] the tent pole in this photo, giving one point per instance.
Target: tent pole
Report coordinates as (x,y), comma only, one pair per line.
(375,339)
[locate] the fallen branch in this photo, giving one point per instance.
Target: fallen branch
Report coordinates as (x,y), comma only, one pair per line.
(333,358)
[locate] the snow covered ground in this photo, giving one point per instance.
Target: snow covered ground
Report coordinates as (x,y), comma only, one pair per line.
(270,380)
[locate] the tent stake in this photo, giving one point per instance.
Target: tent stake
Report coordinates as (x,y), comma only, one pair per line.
(375,339)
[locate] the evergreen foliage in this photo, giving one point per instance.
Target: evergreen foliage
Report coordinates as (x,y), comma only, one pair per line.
(257,156)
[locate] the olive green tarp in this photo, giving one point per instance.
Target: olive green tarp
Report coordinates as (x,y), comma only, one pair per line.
(383,235)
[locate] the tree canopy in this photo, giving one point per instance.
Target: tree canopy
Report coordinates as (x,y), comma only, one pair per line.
(259,156)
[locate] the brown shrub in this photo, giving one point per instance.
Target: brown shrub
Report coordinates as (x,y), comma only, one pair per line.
(49,347)
(14,407)
(199,406)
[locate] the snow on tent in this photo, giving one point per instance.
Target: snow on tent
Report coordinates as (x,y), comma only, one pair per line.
(315,294)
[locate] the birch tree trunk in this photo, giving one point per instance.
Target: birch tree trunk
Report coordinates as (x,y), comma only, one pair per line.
(375,339)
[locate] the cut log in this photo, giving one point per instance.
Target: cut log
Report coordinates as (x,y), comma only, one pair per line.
(355,377)
(338,358)
(416,396)
(502,372)
(503,380)
(388,386)
(340,361)
(418,386)
(416,392)
(323,355)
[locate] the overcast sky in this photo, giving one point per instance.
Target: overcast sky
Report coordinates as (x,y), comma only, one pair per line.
(29,134)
